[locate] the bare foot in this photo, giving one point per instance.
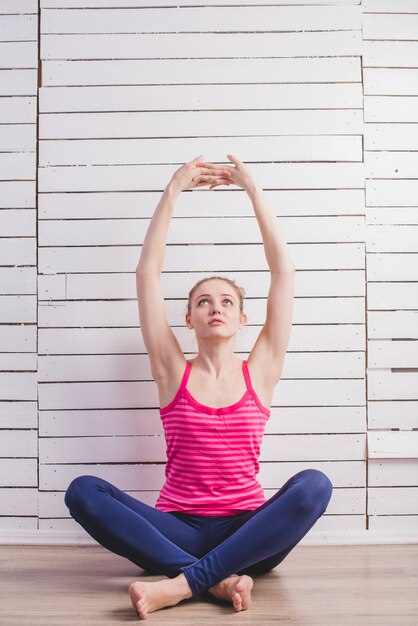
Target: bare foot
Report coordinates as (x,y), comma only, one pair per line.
(149,597)
(235,588)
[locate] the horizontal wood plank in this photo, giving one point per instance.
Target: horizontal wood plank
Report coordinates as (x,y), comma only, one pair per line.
(393,472)
(400,26)
(137,177)
(18,309)
(18,137)
(148,151)
(57,477)
(173,71)
(392,445)
(283,420)
(17,195)
(18,472)
(109,313)
(131,367)
(391,193)
(388,354)
(384,385)
(200,203)
(393,109)
(392,296)
(120,285)
(391,81)
(18,386)
(393,414)
(388,136)
(385,238)
(197,124)
(201,19)
(390,53)
(190,45)
(332,337)
(391,500)
(19,83)
(20,414)
(18,501)
(392,325)
(18,27)
(91,395)
(204,231)
(392,267)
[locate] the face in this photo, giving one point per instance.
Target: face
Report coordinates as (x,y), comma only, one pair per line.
(215,299)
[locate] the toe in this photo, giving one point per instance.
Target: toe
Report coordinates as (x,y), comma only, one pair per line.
(237,601)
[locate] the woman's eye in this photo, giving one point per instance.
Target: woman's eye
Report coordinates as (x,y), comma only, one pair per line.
(206,300)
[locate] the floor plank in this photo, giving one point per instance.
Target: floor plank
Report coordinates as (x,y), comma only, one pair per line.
(315,586)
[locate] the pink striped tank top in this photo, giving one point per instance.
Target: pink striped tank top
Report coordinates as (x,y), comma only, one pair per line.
(212,453)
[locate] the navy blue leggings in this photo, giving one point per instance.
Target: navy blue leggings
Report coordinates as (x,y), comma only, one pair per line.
(205,549)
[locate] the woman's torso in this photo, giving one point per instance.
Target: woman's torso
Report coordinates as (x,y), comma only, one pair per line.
(213,451)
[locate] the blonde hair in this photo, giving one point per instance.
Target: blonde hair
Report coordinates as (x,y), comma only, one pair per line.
(239,291)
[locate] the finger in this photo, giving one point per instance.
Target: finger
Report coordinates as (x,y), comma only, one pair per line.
(234,159)
(196,160)
(221,182)
(215,174)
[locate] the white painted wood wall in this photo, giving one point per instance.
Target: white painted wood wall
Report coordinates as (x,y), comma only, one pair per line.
(320,100)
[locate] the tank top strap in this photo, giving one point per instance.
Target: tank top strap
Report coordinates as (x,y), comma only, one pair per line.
(252,391)
(247,376)
(186,375)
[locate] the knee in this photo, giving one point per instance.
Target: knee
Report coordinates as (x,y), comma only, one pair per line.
(316,491)
(78,494)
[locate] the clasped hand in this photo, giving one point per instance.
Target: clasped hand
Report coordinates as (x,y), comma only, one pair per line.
(198,173)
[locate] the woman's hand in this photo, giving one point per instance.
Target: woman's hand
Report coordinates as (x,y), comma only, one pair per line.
(240,175)
(197,173)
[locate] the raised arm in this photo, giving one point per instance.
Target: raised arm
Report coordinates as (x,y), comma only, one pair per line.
(163,348)
(270,348)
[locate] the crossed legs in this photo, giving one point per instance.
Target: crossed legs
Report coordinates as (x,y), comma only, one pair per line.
(254,542)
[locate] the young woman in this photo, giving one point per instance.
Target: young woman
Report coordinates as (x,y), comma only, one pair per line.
(211,529)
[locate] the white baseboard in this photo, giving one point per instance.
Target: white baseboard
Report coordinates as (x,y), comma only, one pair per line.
(335,538)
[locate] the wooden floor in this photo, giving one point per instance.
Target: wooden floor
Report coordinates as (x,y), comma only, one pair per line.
(315,585)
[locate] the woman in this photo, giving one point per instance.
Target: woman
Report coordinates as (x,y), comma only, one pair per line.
(211,529)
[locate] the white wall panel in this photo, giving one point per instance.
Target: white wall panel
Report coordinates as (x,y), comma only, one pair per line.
(399,26)
(174,71)
(324,112)
(390,109)
(390,157)
(147,151)
(286,202)
(201,19)
(18,83)
(65,4)
(189,97)
(393,414)
(199,123)
(19,27)
(18,501)
(391,136)
(18,289)
(390,53)
(191,45)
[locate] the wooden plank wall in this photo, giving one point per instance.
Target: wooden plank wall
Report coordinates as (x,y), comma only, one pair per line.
(390,71)
(18,255)
(127,95)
